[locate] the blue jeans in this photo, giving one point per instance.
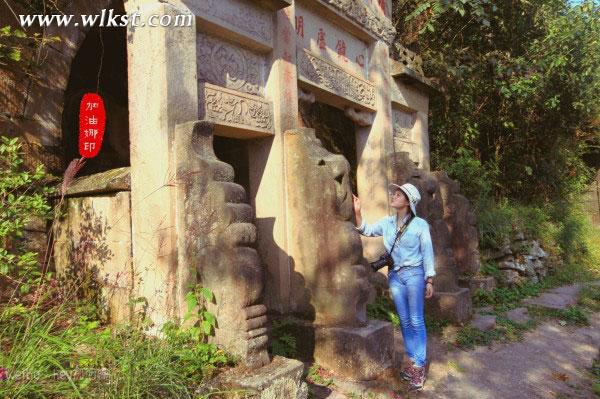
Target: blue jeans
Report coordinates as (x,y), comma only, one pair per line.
(408,290)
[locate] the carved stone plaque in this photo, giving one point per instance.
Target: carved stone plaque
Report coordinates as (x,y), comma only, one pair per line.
(332,78)
(242,17)
(227,65)
(403,122)
(239,111)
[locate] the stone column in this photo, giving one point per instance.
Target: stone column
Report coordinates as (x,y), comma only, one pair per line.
(162,93)
(374,145)
(267,177)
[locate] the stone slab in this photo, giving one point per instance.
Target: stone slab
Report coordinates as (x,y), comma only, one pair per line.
(357,353)
(483,322)
(518,315)
(557,298)
(552,301)
(280,379)
(454,306)
(569,290)
(100,183)
(485,310)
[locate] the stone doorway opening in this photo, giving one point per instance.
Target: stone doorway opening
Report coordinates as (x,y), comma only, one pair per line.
(335,130)
(100,65)
(235,153)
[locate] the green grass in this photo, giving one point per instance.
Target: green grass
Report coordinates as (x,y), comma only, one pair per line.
(506,298)
(596,373)
(589,298)
(383,309)
(505,331)
(573,316)
(65,352)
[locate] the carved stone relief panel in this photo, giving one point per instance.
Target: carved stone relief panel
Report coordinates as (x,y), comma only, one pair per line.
(334,79)
(375,22)
(403,123)
(242,17)
(326,40)
(230,66)
(242,111)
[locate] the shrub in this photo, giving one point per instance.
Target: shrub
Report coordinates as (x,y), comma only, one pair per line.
(23,198)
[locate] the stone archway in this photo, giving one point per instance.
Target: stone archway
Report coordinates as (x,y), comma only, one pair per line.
(34,103)
(100,66)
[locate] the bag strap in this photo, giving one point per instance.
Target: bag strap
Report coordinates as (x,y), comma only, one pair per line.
(400,233)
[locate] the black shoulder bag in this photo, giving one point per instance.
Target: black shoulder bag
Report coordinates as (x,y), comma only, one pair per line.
(386,258)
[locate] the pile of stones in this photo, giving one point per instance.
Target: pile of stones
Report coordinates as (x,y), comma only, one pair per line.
(520,260)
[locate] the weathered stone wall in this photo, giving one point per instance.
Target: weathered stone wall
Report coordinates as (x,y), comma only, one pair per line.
(326,247)
(216,227)
(33,102)
(92,240)
(519,260)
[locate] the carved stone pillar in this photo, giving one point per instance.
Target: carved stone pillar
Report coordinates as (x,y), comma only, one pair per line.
(217,232)
(326,251)
(162,93)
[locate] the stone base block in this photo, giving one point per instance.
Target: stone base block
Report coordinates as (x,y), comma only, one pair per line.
(280,379)
(453,306)
(357,353)
(482,283)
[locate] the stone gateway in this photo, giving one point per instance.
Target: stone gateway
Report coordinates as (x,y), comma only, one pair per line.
(269,231)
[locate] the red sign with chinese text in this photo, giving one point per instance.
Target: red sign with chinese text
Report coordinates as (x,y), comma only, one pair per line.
(92,121)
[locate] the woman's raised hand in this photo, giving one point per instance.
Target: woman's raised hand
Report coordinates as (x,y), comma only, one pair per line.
(356,202)
(357,215)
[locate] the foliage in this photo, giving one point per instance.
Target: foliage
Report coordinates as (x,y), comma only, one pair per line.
(383,309)
(14,42)
(318,375)
(589,298)
(505,330)
(506,298)
(519,83)
(23,199)
(65,352)
(283,343)
(195,300)
(570,316)
(596,374)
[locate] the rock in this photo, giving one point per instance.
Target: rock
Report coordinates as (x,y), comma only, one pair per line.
(518,315)
(558,298)
(536,250)
(484,310)
(519,236)
(538,265)
(485,283)
(356,353)
(280,379)
(454,306)
(510,277)
(497,253)
(483,322)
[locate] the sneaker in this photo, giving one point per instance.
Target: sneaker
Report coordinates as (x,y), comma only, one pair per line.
(407,373)
(417,378)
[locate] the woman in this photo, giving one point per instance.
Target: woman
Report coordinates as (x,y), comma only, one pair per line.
(411,277)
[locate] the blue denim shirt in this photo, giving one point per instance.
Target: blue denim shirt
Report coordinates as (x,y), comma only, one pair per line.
(414,248)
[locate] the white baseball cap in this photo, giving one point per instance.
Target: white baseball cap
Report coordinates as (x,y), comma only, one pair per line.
(412,193)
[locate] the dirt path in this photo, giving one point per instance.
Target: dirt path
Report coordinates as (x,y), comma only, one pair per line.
(552,361)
